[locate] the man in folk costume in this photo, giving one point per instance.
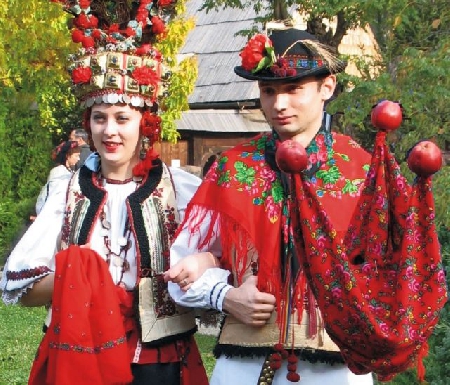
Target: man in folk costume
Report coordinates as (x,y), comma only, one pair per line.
(97,252)
(326,274)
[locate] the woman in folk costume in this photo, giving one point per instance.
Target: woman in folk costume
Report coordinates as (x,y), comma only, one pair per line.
(313,268)
(96,253)
(66,155)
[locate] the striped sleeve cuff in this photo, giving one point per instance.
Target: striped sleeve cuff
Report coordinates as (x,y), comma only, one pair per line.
(217,295)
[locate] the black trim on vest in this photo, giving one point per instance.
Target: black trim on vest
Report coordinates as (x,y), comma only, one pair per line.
(96,196)
(135,200)
(306,354)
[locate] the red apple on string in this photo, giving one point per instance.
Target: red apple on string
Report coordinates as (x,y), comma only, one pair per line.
(291,157)
(425,158)
(387,115)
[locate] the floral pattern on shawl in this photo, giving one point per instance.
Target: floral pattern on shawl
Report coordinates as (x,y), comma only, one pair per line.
(251,174)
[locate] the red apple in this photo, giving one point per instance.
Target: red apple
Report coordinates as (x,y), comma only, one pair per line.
(425,158)
(291,157)
(386,115)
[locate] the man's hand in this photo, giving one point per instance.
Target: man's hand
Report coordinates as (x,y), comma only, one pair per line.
(190,268)
(248,304)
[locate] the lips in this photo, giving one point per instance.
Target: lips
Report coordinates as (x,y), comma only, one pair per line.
(282,120)
(111,146)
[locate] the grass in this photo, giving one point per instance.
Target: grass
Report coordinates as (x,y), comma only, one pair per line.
(21,333)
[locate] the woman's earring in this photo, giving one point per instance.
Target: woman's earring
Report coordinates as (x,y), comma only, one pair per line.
(145,145)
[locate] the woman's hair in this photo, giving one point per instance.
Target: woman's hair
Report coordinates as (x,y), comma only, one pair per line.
(61,152)
(209,162)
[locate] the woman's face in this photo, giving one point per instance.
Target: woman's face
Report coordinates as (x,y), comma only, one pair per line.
(116,136)
(72,160)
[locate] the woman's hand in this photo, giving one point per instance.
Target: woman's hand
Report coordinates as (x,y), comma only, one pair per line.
(41,293)
(190,268)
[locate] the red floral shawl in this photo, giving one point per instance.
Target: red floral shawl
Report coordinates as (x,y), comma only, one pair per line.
(381,286)
(245,197)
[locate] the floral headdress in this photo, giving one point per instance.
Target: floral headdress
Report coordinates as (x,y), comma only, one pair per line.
(287,54)
(117,62)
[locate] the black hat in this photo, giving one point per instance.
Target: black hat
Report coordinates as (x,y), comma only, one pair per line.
(287,54)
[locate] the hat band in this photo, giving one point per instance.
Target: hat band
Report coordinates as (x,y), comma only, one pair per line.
(304,61)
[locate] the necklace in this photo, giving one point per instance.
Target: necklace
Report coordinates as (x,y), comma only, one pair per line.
(117,259)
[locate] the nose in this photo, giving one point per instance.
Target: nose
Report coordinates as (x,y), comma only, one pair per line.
(110,127)
(280,102)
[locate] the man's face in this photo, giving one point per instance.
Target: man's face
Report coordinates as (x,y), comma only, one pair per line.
(72,136)
(295,109)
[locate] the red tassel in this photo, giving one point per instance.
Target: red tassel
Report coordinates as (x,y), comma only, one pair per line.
(293,377)
(420,366)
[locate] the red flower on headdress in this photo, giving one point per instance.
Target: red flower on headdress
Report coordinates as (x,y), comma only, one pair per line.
(93,21)
(88,42)
(141,15)
(151,126)
(145,76)
(84,3)
(82,21)
(255,51)
(144,49)
(164,3)
(96,34)
(158,26)
(113,28)
(129,32)
(81,75)
(77,36)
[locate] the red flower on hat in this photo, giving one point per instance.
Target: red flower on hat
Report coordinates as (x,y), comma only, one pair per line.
(77,36)
(158,26)
(145,76)
(282,68)
(258,53)
(81,75)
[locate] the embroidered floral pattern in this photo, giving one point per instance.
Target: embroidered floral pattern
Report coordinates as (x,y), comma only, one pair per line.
(26,274)
(252,175)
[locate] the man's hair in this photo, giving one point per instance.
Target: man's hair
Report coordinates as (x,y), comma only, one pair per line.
(80,133)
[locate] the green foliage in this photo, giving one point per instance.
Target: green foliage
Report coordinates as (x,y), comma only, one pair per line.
(184,73)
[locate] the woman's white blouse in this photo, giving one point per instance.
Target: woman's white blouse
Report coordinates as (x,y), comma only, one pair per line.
(38,246)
